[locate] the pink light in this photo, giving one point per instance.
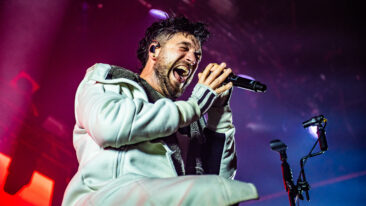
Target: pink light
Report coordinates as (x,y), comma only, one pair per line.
(158,14)
(245,76)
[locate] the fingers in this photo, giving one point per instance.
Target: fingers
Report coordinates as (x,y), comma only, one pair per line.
(224,88)
(220,79)
(216,70)
(214,75)
(202,76)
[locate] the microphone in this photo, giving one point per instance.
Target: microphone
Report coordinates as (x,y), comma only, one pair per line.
(317,120)
(247,84)
(313,121)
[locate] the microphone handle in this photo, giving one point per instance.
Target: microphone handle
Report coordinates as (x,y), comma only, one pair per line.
(247,84)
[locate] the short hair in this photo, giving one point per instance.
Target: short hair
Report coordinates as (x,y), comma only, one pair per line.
(167,28)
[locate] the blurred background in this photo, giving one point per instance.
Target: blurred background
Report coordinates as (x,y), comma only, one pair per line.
(309,53)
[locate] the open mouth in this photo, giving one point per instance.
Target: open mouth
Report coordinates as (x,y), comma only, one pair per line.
(181,73)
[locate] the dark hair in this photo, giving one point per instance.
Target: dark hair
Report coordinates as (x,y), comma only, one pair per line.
(167,28)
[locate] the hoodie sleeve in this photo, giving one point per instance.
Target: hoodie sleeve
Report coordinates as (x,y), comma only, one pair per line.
(220,133)
(113,119)
(117,113)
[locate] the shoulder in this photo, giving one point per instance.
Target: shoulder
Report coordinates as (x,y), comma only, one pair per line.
(109,73)
(116,72)
(100,71)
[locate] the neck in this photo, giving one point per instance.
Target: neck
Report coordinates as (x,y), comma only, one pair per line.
(149,76)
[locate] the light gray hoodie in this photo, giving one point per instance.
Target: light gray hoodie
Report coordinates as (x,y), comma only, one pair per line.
(122,161)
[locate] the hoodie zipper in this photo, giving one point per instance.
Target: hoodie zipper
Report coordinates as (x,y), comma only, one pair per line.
(168,155)
(120,154)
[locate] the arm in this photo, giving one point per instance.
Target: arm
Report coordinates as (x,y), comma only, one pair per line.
(113,115)
(220,152)
(114,120)
(221,129)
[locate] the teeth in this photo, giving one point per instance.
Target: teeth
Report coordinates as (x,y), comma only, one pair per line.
(182,70)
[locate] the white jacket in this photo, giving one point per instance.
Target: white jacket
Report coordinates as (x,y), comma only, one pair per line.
(115,124)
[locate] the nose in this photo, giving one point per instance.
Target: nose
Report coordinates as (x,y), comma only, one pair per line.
(191,58)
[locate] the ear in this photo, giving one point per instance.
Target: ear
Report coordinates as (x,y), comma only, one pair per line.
(154,50)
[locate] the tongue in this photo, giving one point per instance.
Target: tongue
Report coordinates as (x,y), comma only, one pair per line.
(178,77)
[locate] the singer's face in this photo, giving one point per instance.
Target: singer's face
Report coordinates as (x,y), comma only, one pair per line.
(176,63)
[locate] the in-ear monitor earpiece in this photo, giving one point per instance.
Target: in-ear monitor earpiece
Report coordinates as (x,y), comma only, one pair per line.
(152,48)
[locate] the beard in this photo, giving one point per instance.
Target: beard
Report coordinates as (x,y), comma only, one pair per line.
(162,74)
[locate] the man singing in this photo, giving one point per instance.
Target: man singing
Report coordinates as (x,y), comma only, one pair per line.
(137,145)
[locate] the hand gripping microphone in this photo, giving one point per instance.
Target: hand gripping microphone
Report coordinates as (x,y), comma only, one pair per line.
(247,84)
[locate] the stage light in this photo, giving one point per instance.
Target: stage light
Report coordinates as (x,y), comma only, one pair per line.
(312,131)
(158,14)
(38,191)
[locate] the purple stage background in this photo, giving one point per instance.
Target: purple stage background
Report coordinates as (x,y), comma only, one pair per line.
(307,52)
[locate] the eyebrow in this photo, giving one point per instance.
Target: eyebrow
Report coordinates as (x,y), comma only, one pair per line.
(186,43)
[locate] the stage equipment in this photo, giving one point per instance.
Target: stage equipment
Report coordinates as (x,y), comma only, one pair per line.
(295,191)
(248,84)
(317,121)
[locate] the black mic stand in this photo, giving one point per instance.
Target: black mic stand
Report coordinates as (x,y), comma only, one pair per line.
(291,188)
(295,191)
